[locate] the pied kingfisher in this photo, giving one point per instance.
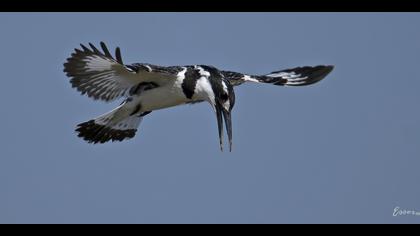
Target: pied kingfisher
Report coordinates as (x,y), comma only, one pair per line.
(146,87)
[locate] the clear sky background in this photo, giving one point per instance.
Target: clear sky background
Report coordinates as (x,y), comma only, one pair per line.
(345,150)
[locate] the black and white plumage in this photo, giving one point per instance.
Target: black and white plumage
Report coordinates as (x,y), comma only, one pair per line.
(146,87)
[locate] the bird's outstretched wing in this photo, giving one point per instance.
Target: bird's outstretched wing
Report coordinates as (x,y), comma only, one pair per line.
(101,76)
(298,76)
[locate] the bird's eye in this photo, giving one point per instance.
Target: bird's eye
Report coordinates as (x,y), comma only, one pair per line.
(224,96)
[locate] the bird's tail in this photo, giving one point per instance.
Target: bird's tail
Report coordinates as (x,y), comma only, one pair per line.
(116,125)
(298,76)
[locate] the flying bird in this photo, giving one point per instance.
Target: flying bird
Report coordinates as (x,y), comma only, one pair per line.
(146,88)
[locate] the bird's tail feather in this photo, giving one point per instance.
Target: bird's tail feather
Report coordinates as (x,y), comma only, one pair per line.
(115,125)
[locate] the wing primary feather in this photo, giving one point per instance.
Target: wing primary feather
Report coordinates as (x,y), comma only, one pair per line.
(106,51)
(85,48)
(95,49)
(118,55)
(78,50)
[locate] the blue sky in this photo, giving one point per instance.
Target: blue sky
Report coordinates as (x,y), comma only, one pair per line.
(345,150)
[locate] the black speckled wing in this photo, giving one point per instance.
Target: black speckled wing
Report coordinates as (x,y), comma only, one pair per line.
(298,76)
(101,76)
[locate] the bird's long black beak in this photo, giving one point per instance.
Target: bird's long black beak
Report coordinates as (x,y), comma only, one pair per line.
(228,123)
(220,124)
(220,111)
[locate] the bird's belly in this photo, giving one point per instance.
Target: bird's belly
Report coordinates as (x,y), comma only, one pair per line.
(161,97)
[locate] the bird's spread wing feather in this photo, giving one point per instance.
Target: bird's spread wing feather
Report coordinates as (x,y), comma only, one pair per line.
(298,76)
(101,76)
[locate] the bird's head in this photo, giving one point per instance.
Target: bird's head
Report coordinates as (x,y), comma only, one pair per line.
(221,96)
(224,100)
